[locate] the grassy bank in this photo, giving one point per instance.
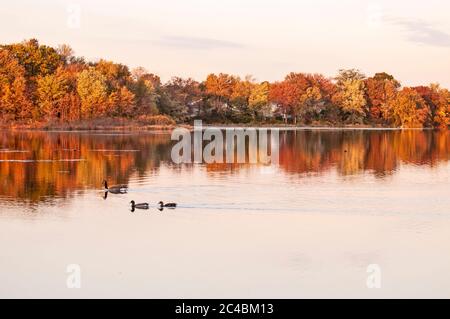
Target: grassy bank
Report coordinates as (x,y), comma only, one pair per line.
(132,125)
(154,123)
(165,123)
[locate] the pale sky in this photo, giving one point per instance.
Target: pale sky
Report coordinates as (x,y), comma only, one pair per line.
(264,38)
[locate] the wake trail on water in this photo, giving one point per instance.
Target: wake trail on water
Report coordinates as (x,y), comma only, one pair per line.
(237,208)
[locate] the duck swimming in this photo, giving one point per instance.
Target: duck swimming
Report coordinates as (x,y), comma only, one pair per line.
(116,189)
(168,205)
(139,206)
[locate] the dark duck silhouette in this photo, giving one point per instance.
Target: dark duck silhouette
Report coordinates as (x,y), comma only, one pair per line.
(168,205)
(116,189)
(135,206)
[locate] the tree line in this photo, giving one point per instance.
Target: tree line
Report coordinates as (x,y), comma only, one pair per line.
(39,83)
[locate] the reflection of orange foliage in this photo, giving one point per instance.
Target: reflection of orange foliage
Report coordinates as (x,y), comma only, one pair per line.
(349,152)
(49,176)
(223,167)
(355,151)
(307,151)
(380,157)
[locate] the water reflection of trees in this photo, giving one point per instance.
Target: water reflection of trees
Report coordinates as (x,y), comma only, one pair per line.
(348,152)
(137,154)
(355,151)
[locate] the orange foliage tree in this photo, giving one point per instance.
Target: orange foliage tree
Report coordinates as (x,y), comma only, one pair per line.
(409,109)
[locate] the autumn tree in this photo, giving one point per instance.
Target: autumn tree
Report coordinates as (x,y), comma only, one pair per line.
(219,89)
(409,109)
(316,100)
(440,99)
(51,90)
(241,91)
(303,96)
(14,101)
(146,88)
(93,92)
(311,103)
(350,95)
(121,103)
(66,53)
(381,91)
(442,114)
(35,58)
(278,96)
(118,80)
(70,108)
(258,101)
(116,75)
(221,85)
(432,96)
(152,79)
(239,100)
(287,94)
(179,97)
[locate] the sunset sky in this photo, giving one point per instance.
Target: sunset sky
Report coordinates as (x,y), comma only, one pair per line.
(265,38)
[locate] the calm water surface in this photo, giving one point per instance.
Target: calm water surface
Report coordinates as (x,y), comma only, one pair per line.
(309,227)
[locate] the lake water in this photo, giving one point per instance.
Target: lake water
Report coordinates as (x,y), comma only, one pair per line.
(337,202)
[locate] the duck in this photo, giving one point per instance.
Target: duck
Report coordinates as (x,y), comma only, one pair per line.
(116,189)
(168,205)
(139,206)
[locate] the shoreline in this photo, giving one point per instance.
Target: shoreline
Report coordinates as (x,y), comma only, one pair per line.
(138,127)
(92,125)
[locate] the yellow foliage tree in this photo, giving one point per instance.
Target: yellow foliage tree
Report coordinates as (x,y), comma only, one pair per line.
(51,90)
(409,109)
(92,90)
(258,101)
